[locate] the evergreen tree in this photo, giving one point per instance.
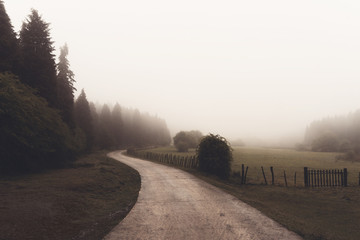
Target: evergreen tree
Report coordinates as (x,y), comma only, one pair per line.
(32,135)
(96,125)
(106,137)
(137,129)
(83,118)
(117,124)
(38,68)
(8,42)
(65,87)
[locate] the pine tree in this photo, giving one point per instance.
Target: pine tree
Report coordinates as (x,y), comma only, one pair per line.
(38,68)
(65,87)
(106,138)
(117,125)
(8,43)
(83,118)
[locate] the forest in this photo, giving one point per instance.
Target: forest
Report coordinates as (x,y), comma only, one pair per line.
(42,124)
(336,134)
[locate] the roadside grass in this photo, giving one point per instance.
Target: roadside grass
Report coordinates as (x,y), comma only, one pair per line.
(314,213)
(84,201)
(291,161)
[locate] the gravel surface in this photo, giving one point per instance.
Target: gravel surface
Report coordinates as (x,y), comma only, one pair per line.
(173,204)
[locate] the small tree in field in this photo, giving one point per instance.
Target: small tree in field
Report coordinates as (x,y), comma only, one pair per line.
(215,155)
(184,140)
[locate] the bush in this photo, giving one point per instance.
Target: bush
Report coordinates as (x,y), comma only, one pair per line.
(185,140)
(32,135)
(215,155)
(327,142)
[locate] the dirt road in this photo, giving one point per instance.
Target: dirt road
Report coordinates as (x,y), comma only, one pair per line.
(173,204)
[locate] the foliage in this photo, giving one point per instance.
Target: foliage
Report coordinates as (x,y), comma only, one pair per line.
(41,125)
(8,43)
(185,140)
(215,156)
(32,135)
(327,142)
(83,119)
(340,133)
(65,87)
(106,137)
(117,125)
(122,128)
(38,69)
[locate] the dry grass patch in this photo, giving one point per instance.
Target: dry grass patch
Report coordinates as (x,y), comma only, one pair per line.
(84,201)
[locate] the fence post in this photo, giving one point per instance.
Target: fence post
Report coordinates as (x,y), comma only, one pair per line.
(247,167)
(264,175)
(321,178)
(306,179)
(295,179)
(285,178)
(327,177)
(242,173)
(272,175)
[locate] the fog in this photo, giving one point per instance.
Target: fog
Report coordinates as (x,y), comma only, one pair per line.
(242,69)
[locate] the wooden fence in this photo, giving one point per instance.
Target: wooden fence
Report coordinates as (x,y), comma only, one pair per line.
(325,178)
(171,159)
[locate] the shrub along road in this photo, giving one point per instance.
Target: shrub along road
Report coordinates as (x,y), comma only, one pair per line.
(173,204)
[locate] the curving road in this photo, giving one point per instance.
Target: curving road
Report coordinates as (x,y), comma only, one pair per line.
(173,204)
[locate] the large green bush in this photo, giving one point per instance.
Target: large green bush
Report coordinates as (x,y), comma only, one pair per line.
(215,155)
(32,135)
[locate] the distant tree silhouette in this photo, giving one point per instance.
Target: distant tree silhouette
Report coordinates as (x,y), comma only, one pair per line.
(117,126)
(137,129)
(8,43)
(332,134)
(95,126)
(83,118)
(65,87)
(185,140)
(38,69)
(106,138)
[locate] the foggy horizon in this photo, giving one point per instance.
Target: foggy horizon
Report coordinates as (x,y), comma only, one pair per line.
(243,70)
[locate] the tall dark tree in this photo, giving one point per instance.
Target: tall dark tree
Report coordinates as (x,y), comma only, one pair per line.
(83,118)
(8,42)
(96,125)
(65,87)
(38,68)
(106,137)
(137,129)
(117,125)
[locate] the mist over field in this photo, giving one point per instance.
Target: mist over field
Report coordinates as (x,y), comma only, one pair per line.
(259,70)
(258,98)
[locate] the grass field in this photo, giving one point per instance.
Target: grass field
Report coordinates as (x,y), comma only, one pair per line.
(280,159)
(291,161)
(314,213)
(84,201)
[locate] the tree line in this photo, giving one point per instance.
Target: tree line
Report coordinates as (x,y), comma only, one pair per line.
(41,123)
(336,134)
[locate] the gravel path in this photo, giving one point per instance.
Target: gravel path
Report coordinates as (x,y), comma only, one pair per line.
(173,204)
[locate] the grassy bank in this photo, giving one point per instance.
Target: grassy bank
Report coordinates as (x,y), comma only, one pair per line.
(84,201)
(313,213)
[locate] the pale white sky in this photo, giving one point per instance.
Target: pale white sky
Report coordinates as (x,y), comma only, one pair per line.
(238,68)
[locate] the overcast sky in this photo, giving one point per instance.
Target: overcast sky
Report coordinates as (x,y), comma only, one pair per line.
(237,68)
